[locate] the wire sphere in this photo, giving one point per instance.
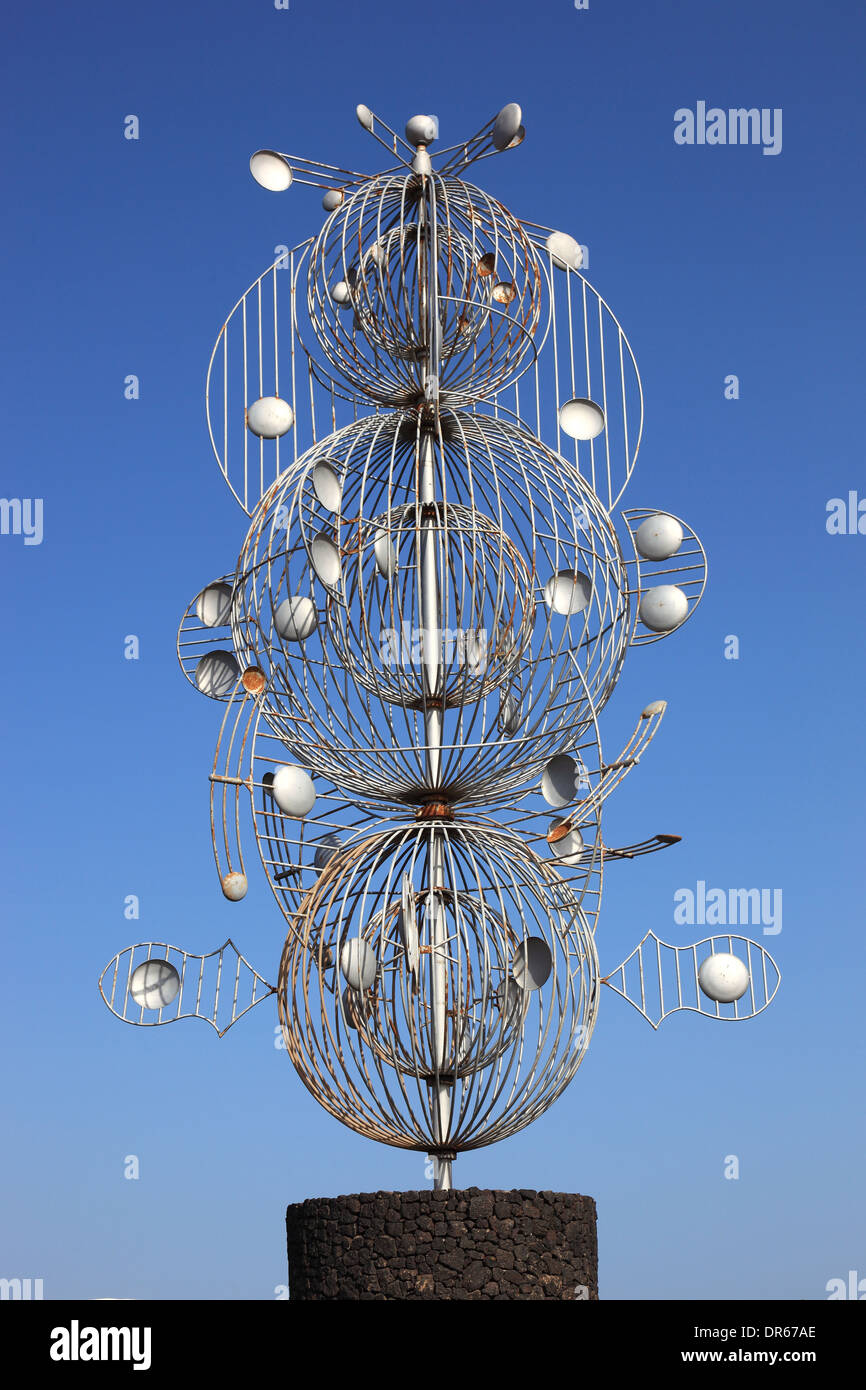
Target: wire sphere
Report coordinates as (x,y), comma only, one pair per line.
(531,615)
(416,268)
(482,987)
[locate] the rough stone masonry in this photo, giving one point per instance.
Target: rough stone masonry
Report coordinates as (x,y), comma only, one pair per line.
(462,1244)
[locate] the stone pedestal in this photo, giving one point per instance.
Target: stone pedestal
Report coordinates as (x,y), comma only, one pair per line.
(465,1244)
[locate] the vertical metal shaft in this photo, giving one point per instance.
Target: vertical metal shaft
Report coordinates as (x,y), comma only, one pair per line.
(432,676)
(433,682)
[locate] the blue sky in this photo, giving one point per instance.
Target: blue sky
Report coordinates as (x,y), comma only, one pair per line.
(124,257)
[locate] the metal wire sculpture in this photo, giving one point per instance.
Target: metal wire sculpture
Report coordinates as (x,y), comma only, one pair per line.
(429,612)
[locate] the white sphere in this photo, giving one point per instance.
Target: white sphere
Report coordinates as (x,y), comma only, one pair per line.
(295,618)
(568,592)
(293,791)
(358,963)
(365,116)
(213,605)
(504,292)
(270,417)
(341,294)
(235,887)
(565,252)
(216,673)
(663,608)
(422,130)
(154,984)
(581,418)
(659,537)
(723,977)
(333,199)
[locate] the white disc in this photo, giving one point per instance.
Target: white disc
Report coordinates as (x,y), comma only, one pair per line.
(532,963)
(475,652)
(327,847)
(270,170)
(154,984)
(355,1007)
(270,417)
(327,486)
(509,715)
(654,707)
(507,125)
(293,791)
(659,537)
(365,116)
(422,130)
(216,673)
(581,418)
(386,555)
(358,963)
(213,605)
(235,887)
(566,253)
(333,199)
(559,781)
(326,560)
(723,977)
(511,1001)
(568,592)
(567,849)
(295,618)
(663,608)
(408,925)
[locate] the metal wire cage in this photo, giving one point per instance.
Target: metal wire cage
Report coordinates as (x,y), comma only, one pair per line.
(526,635)
(429,612)
(412,267)
(440,987)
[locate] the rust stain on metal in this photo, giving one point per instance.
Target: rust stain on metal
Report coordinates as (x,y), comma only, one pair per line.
(435,810)
(254,680)
(559,832)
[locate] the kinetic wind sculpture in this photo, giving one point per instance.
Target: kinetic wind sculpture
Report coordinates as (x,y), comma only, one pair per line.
(430,609)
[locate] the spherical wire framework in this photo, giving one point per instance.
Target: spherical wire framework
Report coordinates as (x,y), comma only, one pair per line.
(429,611)
(413,266)
(531,619)
(357,997)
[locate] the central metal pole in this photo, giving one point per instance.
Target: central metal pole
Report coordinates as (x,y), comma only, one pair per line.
(433,688)
(433,682)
